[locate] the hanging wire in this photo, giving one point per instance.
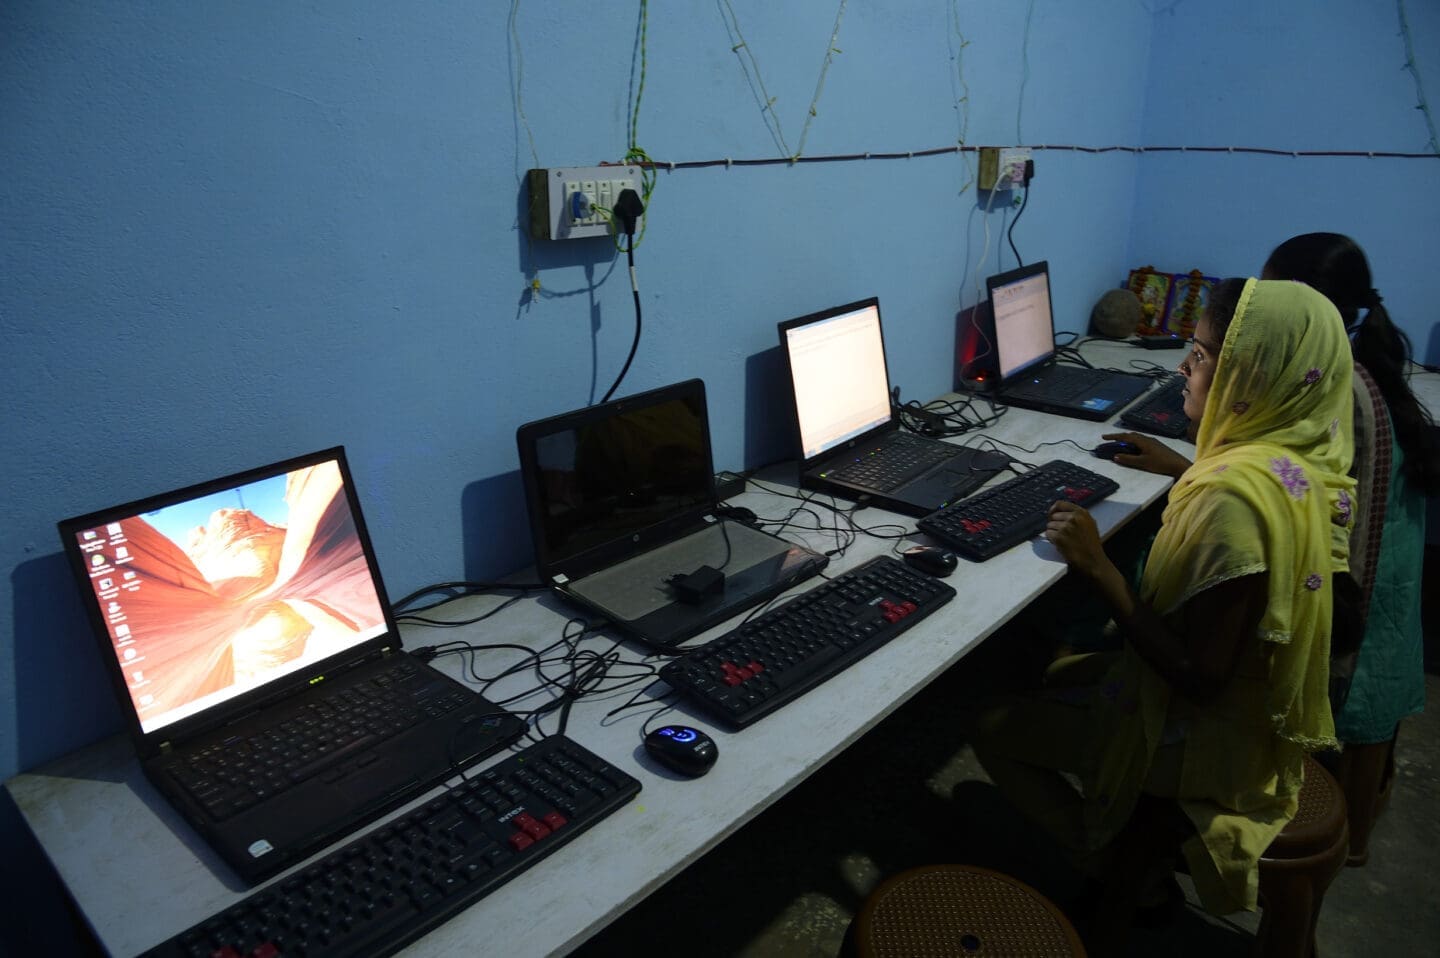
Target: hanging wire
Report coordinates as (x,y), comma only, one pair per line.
(742,51)
(1423,106)
(1024,71)
(830,51)
(962,103)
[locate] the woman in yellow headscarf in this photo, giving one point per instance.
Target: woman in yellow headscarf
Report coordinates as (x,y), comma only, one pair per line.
(1221,688)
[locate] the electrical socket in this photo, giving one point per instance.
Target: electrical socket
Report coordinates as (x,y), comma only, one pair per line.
(1002,167)
(567,202)
(1012,166)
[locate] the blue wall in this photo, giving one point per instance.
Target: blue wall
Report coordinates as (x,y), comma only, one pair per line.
(1312,76)
(230,233)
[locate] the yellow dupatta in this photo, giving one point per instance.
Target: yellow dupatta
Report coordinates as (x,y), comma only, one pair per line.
(1268,493)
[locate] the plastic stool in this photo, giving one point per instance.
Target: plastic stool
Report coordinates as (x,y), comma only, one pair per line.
(960,910)
(1299,865)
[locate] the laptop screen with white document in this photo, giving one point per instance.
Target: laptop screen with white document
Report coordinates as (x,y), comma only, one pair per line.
(837,367)
(1024,326)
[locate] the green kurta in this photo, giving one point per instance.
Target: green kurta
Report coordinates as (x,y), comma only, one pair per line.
(1389,680)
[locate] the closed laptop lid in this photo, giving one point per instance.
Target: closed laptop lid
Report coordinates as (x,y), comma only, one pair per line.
(610,481)
(218,598)
(1023,322)
(838,377)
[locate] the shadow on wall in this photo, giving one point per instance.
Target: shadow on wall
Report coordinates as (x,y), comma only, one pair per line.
(496,532)
(63,699)
(769,410)
(1431,356)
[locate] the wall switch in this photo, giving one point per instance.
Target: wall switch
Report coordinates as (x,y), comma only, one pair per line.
(574,202)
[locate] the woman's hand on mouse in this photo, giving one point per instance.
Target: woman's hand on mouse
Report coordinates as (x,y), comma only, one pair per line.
(1151,455)
(1072,531)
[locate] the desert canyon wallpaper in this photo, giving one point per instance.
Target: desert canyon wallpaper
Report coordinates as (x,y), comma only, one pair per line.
(240,597)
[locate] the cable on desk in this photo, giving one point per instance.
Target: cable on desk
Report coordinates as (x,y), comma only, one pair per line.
(994,445)
(944,418)
(462,588)
(418,619)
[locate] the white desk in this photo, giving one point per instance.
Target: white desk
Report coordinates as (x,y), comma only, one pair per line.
(139,875)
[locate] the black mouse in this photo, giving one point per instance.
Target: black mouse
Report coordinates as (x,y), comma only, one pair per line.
(1109,450)
(683,749)
(930,560)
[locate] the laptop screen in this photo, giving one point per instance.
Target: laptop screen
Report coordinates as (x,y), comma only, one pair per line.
(615,472)
(212,592)
(837,369)
(1024,328)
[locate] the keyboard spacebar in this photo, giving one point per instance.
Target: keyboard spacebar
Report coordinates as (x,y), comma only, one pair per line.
(332,758)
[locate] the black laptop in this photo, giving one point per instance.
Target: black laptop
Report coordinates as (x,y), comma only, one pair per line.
(251,645)
(1024,343)
(852,443)
(621,499)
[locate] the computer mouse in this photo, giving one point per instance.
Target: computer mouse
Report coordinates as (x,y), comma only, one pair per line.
(930,560)
(1109,450)
(682,749)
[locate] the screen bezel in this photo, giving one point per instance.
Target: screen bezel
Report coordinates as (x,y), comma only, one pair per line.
(556,568)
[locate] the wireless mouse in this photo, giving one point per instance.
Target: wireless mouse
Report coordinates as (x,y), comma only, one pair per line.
(930,560)
(1109,450)
(682,749)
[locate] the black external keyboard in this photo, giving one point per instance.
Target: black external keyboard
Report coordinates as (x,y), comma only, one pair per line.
(389,887)
(994,519)
(777,657)
(230,776)
(1161,412)
(901,458)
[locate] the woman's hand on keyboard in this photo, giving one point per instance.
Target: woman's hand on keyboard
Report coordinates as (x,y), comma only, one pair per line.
(1153,456)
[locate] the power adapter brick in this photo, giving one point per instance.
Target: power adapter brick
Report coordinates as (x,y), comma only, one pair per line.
(728,484)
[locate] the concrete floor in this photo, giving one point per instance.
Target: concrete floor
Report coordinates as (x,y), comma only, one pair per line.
(911,793)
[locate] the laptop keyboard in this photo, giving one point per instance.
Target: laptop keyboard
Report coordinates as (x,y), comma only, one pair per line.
(394,884)
(231,776)
(900,459)
(1162,412)
(1060,383)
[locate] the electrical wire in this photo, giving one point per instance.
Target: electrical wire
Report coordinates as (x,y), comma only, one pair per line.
(1414,70)
(962,101)
(635,343)
(1011,234)
(461,588)
(673,165)
(757,83)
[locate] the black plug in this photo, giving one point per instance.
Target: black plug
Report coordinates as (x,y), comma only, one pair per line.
(629,208)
